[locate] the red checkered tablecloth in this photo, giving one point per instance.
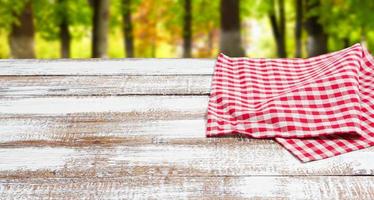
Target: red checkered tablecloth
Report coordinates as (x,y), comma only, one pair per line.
(316,107)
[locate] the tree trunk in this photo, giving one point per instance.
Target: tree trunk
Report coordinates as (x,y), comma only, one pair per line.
(279,30)
(187,32)
(127,28)
(317,38)
(346,42)
(231,43)
(100,28)
(210,42)
(21,37)
(65,36)
(298,28)
(282,26)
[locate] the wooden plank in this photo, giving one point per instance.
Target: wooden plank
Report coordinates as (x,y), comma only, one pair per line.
(107,67)
(109,106)
(171,158)
(191,188)
(33,86)
(165,132)
(71,130)
(137,156)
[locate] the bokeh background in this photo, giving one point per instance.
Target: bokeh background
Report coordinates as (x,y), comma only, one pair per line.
(182,28)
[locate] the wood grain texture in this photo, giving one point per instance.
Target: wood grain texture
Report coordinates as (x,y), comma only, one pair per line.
(141,67)
(108,157)
(108,105)
(135,129)
(150,187)
(36,86)
(155,133)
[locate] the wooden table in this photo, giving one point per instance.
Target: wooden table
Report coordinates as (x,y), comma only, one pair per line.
(134,129)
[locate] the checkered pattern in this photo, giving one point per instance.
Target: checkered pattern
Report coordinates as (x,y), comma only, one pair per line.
(316,107)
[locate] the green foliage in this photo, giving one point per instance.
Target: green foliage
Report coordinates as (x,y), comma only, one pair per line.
(50,13)
(158,25)
(204,12)
(346,20)
(116,12)
(8,10)
(257,8)
(47,14)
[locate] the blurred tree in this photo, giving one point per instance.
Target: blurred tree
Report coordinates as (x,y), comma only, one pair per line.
(187,32)
(317,37)
(184,27)
(67,20)
(278,27)
(65,36)
(21,37)
(347,22)
(159,28)
(231,42)
(128,28)
(363,18)
(100,28)
(298,28)
(205,27)
(147,35)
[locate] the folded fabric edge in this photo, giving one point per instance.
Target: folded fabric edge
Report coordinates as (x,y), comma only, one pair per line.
(214,129)
(223,55)
(295,147)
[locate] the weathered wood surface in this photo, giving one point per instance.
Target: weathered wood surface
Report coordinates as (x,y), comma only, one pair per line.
(29,86)
(149,187)
(84,129)
(99,67)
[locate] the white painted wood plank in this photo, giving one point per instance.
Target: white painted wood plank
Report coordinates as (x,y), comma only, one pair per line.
(73,129)
(314,188)
(107,67)
(112,104)
(142,156)
(33,86)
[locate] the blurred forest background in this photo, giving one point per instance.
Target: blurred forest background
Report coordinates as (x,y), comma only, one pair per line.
(182,28)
